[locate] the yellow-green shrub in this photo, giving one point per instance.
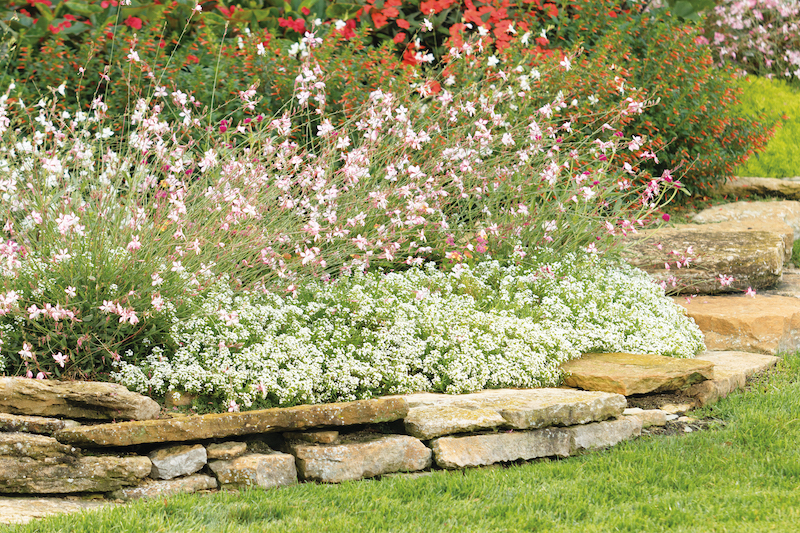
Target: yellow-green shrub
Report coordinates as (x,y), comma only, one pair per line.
(779,103)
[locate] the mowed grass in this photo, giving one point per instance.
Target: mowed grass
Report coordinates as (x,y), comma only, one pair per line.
(743,476)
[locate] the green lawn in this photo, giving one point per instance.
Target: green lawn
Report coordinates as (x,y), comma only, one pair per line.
(742,477)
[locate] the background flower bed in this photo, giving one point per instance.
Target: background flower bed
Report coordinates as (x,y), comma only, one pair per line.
(316,170)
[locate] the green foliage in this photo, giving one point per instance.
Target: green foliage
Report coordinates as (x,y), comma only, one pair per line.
(693,126)
(779,102)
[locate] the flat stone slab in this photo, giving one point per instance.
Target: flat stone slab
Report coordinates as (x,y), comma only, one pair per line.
(23,509)
(763,324)
(627,374)
(34,424)
(264,470)
(84,474)
(482,450)
(432,415)
(754,258)
(221,425)
(166,487)
(745,213)
(349,461)
(74,399)
(781,188)
(731,370)
(39,447)
(600,435)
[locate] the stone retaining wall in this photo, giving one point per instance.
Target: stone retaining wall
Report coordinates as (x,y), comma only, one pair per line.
(327,443)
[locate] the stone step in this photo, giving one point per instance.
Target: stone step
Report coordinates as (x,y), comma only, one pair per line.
(763,324)
(754,257)
(220,425)
(731,370)
(746,213)
(432,415)
(782,188)
(627,374)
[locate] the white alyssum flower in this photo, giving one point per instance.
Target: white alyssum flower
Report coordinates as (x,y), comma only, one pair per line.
(487,326)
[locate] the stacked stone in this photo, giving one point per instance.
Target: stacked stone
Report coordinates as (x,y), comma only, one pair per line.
(331,443)
(149,456)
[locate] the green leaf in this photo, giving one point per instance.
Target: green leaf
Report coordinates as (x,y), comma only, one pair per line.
(341,10)
(82,8)
(214,19)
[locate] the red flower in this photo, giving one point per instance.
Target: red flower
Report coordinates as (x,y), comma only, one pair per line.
(133,22)
(305,11)
(379,19)
(105,3)
(399,38)
(192,58)
(403,23)
(228,12)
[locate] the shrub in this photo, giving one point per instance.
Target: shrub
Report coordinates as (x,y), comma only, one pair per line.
(420,330)
(779,102)
(695,127)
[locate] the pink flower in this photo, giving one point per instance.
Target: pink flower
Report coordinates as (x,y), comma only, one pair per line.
(134,244)
(26,352)
(60,358)
(750,292)
(725,280)
(233,407)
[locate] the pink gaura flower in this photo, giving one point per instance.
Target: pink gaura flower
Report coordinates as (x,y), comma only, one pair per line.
(60,359)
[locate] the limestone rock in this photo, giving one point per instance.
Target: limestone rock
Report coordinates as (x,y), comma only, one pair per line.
(604,434)
(481,450)
(781,188)
(649,417)
(776,226)
(85,474)
(256,470)
(74,399)
(314,437)
(34,424)
(23,509)
(221,425)
(166,487)
(429,421)
(754,258)
(177,461)
(356,460)
(628,374)
(731,370)
(765,324)
(787,212)
(226,450)
(432,414)
(34,446)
